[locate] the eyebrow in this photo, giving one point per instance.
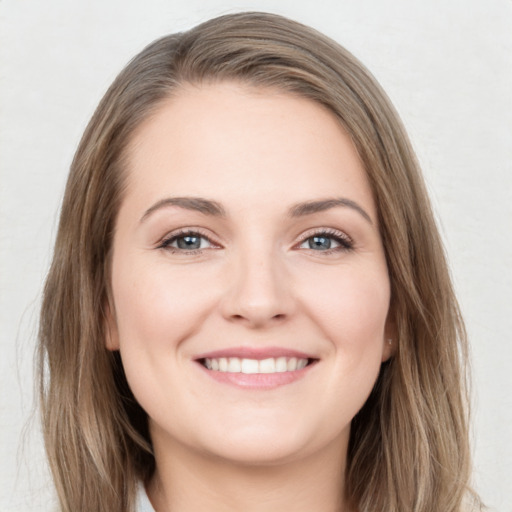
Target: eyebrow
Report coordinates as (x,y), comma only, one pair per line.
(215,209)
(198,204)
(311,207)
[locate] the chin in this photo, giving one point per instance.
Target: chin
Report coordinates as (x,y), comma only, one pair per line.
(259,455)
(271,446)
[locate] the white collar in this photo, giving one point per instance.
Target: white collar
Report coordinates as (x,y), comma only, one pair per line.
(142,503)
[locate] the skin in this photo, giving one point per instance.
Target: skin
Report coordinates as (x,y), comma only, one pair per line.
(255,282)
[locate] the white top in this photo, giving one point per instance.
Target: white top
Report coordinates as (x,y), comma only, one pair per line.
(142,504)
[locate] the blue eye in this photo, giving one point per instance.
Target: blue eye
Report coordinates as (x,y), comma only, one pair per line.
(320,243)
(186,242)
(326,242)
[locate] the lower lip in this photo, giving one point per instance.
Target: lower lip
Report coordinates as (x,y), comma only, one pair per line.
(258,380)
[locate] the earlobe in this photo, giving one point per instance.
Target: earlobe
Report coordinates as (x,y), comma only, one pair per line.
(390,340)
(389,349)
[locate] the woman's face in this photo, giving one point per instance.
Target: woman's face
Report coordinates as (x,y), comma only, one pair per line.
(250,287)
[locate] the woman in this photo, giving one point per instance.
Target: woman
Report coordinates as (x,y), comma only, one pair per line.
(249,307)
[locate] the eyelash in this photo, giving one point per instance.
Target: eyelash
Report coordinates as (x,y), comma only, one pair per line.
(166,242)
(345,243)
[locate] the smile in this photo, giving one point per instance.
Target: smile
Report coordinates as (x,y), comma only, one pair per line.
(257,368)
(252,366)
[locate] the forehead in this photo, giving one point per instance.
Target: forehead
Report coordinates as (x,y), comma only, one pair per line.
(239,142)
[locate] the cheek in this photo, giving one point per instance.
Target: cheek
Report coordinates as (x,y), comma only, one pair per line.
(352,315)
(155,306)
(351,307)
(156,309)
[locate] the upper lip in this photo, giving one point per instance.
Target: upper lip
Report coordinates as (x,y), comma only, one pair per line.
(255,353)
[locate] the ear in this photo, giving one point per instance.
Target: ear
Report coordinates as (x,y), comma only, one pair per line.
(110,328)
(390,342)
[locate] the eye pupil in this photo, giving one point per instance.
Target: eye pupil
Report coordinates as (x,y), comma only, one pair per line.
(189,242)
(319,243)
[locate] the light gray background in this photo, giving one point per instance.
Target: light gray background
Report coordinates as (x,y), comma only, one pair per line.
(447,67)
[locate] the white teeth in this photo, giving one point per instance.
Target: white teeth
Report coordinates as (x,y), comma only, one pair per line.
(251,366)
(281,364)
(267,366)
(234,365)
(292,364)
(301,363)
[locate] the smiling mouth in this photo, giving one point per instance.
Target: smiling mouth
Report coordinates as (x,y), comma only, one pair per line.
(256,366)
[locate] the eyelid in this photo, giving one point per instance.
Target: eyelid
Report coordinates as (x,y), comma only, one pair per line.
(346,242)
(325,231)
(164,242)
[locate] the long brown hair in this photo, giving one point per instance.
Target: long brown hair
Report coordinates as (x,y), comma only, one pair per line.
(409,444)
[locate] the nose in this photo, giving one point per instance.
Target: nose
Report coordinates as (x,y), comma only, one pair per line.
(259,292)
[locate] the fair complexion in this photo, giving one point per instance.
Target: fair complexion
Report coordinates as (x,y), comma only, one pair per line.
(247,242)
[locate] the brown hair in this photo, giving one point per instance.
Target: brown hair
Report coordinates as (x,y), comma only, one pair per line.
(409,443)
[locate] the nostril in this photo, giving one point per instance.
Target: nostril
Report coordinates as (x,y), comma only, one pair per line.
(257,317)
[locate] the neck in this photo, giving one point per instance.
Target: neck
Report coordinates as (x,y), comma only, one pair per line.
(187,481)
